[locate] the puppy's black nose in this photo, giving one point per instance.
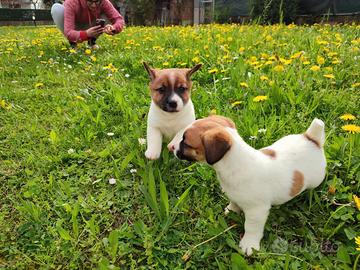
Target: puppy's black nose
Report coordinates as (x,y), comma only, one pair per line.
(172,104)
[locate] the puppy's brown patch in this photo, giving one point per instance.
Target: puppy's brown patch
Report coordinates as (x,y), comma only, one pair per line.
(297,183)
(193,147)
(221,120)
(307,136)
(269,152)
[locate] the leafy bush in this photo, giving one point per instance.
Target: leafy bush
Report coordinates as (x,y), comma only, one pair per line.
(274,11)
(142,11)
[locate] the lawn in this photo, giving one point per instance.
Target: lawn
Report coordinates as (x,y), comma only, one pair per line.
(76,189)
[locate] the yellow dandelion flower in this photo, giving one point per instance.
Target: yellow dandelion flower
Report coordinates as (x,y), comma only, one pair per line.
(93,58)
(196,59)
(355,85)
(213,71)
(260,98)
(212,112)
(226,56)
(39,85)
(87,52)
(253,59)
(244,84)
(355,41)
(329,69)
(79,97)
(336,61)
(4,105)
(320,60)
(236,103)
(351,128)
(296,55)
(306,63)
(315,68)
(268,63)
(72,51)
(357,241)
(264,78)
(322,42)
(329,76)
(241,49)
(279,68)
(357,202)
(347,116)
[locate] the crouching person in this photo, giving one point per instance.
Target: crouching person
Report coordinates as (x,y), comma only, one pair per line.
(80,20)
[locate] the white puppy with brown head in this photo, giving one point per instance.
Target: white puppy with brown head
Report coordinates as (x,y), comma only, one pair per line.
(171,108)
(254,179)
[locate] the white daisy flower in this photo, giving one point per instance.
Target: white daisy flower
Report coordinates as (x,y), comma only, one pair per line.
(112,181)
(142,141)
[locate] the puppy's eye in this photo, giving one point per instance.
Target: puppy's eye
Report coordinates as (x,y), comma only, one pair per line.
(181,89)
(186,145)
(161,90)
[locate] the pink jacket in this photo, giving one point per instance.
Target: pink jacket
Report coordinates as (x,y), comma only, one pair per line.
(77,12)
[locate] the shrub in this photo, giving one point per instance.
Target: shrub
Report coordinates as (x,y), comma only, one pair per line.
(274,11)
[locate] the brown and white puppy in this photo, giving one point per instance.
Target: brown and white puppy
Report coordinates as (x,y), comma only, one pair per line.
(171,108)
(254,179)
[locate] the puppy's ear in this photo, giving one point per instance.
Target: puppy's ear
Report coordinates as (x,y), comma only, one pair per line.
(150,71)
(216,143)
(192,70)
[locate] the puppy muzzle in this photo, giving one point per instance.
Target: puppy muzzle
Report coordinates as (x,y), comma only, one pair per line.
(170,106)
(180,155)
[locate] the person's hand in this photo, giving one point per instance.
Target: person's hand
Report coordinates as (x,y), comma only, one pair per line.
(109,29)
(95,31)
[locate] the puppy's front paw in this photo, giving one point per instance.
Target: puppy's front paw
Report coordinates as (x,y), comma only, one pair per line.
(152,155)
(247,244)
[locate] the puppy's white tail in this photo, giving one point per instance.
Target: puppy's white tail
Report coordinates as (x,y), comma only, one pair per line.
(316,132)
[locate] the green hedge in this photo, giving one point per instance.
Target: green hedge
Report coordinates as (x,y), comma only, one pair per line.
(226,10)
(274,11)
(9,14)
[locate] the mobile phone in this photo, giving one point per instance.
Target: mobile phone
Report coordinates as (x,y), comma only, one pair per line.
(100,22)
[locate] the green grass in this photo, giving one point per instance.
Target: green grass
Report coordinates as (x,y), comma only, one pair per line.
(57,108)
